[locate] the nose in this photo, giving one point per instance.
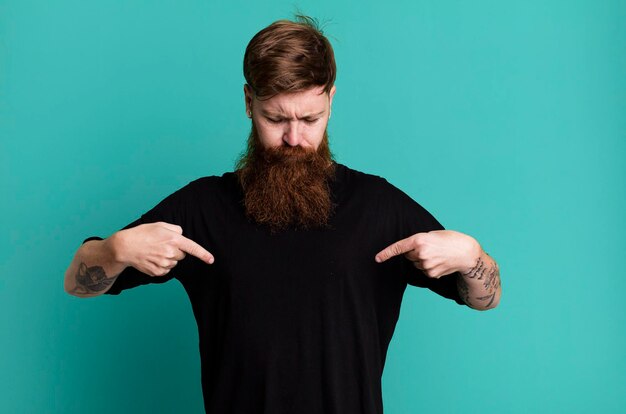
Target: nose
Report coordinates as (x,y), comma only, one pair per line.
(291,136)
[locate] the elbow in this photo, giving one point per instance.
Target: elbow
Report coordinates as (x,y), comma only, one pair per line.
(493,302)
(71,291)
(66,285)
(77,294)
(71,288)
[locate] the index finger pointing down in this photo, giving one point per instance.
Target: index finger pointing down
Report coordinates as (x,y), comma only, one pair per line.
(194,249)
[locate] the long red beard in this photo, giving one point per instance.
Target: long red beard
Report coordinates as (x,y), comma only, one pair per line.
(286,186)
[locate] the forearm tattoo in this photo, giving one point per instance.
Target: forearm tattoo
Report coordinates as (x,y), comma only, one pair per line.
(91,279)
(489,273)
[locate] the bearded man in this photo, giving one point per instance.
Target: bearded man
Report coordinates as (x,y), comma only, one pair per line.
(295,265)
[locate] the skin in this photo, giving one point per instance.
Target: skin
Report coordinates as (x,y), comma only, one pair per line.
(439,253)
(301,119)
(291,119)
(286,119)
(152,248)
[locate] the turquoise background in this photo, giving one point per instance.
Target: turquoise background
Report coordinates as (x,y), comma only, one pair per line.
(505,119)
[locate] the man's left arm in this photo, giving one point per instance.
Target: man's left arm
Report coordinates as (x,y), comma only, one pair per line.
(442,252)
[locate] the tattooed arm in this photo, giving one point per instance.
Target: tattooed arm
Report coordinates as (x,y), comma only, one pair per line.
(151,248)
(479,286)
(443,252)
(94,268)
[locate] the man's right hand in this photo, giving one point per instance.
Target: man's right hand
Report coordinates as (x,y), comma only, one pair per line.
(155,248)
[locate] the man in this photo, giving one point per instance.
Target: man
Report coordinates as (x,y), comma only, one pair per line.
(295,265)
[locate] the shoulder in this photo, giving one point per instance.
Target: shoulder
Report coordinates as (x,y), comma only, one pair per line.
(212,180)
(212,183)
(200,191)
(352,177)
(389,199)
(357,180)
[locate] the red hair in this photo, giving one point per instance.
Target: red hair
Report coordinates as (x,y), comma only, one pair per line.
(289,56)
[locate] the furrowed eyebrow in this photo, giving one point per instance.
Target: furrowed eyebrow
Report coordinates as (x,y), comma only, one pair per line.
(279,115)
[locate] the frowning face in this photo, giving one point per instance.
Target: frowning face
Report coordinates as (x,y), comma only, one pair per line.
(291,119)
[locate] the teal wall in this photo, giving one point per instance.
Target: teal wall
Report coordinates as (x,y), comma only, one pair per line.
(505,119)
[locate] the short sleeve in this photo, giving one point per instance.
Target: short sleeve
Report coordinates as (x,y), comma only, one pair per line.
(170,210)
(416,219)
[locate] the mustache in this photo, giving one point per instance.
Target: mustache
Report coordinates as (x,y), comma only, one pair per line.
(285,155)
(286,186)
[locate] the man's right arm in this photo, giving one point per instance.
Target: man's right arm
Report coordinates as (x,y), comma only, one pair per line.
(94,268)
(151,248)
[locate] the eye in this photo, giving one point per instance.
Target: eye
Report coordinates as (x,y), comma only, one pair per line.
(274,121)
(311,121)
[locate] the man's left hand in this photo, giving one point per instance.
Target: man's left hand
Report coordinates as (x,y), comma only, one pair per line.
(436,253)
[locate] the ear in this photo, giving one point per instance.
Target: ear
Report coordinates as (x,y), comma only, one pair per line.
(247,91)
(330,102)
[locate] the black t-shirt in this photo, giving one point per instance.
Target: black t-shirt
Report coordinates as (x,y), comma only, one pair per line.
(295,321)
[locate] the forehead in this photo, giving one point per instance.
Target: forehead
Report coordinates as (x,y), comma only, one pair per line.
(310,100)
